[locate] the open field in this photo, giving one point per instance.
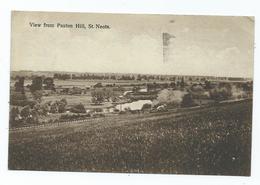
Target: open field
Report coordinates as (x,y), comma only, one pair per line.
(216,140)
(71,99)
(76,99)
(89,83)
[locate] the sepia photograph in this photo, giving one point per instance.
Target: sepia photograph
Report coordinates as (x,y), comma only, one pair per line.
(131,93)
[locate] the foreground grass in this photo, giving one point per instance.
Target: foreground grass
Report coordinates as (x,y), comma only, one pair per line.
(214,141)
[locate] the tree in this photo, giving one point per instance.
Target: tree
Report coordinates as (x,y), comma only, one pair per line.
(54,107)
(14,114)
(170,97)
(41,109)
(34,115)
(25,112)
(19,85)
(36,84)
(108,93)
(187,100)
(172,84)
(18,99)
(247,86)
(49,83)
(220,93)
(62,105)
(63,100)
(138,77)
(37,95)
(197,88)
(97,96)
(182,83)
(58,106)
(208,85)
(45,109)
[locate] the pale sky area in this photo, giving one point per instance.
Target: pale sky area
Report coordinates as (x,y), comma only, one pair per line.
(203,45)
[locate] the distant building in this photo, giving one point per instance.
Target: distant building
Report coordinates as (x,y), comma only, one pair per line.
(98,85)
(127,93)
(143,90)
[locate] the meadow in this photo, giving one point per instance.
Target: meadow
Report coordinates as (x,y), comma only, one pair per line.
(212,141)
(88,83)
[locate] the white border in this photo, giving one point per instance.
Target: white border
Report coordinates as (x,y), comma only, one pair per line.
(188,7)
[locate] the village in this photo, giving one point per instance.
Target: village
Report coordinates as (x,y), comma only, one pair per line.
(67,97)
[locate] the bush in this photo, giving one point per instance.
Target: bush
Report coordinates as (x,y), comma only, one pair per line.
(19,99)
(97,96)
(78,108)
(22,103)
(98,115)
(98,110)
(68,117)
(220,93)
(187,101)
(25,112)
(173,97)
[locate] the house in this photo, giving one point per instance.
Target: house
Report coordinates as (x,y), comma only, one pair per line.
(98,85)
(127,92)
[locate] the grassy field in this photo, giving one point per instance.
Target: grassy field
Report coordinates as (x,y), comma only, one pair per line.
(211,141)
(71,99)
(76,99)
(89,83)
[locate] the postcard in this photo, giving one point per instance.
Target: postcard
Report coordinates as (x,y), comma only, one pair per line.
(131,93)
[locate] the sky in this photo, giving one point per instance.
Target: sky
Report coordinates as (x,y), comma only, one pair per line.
(202,45)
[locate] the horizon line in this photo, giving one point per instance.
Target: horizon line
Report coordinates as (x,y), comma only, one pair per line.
(59,71)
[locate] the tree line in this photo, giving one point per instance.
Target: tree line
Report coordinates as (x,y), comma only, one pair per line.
(130,77)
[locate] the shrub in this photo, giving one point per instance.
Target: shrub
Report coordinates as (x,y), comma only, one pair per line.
(187,101)
(220,93)
(79,108)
